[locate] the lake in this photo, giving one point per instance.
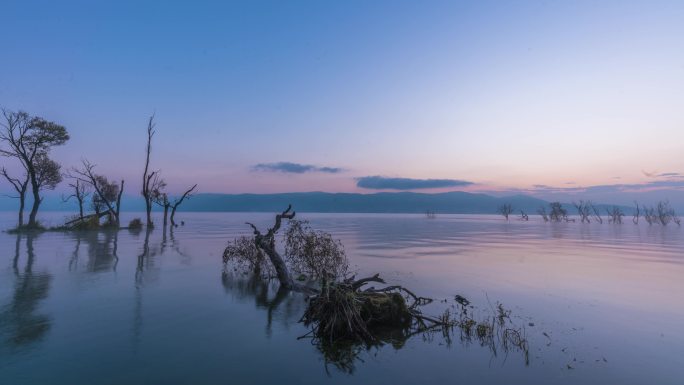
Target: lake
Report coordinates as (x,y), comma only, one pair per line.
(599,304)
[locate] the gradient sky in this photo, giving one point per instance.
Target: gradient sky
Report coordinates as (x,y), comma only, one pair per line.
(512,96)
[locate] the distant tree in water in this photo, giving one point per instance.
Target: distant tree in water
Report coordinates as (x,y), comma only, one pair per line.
(506,209)
(615,215)
(542,212)
(524,216)
(150,179)
(637,212)
(661,214)
(583,210)
(29,139)
(558,213)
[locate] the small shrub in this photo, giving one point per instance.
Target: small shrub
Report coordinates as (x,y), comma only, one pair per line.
(135,224)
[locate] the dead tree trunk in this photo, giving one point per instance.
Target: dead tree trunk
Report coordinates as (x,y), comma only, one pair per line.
(147,176)
(267,244)
(187,194)
(20,187)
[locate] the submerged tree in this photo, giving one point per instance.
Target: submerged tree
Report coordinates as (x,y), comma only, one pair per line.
(343,313)
(506,209)
(635,218)
(161,198)
(542,212)
(149,177)
(30,139)
(583,210)
(177,202)
(615,215)
(558,213)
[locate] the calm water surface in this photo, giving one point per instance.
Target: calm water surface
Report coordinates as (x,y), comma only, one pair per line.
(601,304)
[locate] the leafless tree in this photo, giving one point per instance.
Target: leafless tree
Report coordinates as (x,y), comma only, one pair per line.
(177,202)
(615,215)
(635,219)
(650,215)
(666,214)
(583,210)
(20,186)
(558,213)
(542,211)
(159,196)
(106,194)
(149,177)
(80,193)
(596,212)
(506,209)
(29,139)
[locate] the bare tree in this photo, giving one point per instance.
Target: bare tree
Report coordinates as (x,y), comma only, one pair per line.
(29,139)
(506,209)
(177,202)
(160,197)
(596,212)
(583,210)
(666,214)
(20,186)
(80,194)
(149,177)
(267,244)
(106,194)
(558,213)
(650,215)
(542,211)
(635,219)
(615,215)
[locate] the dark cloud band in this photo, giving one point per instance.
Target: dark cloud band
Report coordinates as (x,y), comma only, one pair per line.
(294,168)
(384,183)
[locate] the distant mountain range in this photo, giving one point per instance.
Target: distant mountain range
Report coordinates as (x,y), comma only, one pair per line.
(401,202)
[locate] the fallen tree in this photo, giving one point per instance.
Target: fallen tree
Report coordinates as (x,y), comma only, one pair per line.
(343,312)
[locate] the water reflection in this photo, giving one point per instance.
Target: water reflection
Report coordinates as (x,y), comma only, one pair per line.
(20,322)
(101,252)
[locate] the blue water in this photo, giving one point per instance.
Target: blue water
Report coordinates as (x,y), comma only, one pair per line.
(600,304)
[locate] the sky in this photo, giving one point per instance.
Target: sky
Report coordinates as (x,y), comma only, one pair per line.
(547,98)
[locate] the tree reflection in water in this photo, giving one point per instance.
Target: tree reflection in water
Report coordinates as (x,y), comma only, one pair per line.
(20,324)
(500,336)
